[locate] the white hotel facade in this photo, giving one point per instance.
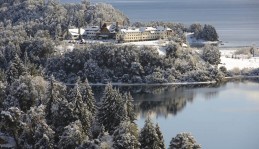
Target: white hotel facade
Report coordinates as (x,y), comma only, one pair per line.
(143,34)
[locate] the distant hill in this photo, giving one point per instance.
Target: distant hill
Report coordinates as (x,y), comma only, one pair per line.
(54,16)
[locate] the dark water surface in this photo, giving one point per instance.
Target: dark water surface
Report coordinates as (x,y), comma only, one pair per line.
(220,117)
(237,21)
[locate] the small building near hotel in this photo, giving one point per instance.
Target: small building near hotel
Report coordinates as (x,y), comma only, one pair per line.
(108,30)
(75,33)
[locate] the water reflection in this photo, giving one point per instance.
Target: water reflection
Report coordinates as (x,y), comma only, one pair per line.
(169,100)
(164,101)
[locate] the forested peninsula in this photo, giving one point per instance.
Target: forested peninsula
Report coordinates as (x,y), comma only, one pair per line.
(45,97)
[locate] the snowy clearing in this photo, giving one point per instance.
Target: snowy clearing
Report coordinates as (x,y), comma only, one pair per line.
(160,45)
(241,62)
(148,43)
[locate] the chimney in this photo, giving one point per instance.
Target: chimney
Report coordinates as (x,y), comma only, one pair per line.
(117,26)
(79,32)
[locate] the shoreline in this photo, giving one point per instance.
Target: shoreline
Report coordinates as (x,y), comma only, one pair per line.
(242,77)
(153,84)
(173,83)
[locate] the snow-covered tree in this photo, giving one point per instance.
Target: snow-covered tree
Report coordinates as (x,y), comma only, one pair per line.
(39,49)
(16,69)
(211,54)
(11,121)
(88,97)
(36,133)
(161,141)
(171,50)
(209,33)
(129,107)
(59,112)
(104,12)
(157,76)
(22,94)
(80,110)
(148,136)
(112,111)
(126,136)
(184,141)
(206,32)
(92,71)
(2,93)
(196,28)
(72,136)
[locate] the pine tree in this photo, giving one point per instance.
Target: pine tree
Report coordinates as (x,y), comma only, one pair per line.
(16,69)
(88,97)
(72,136)
(129,107)
(50,98)
(160,137)
(126,136)
(2,94)
(59,111)
(184,141)
(148,136)
(209,33)
(80,110)
(76,101)
(112,110)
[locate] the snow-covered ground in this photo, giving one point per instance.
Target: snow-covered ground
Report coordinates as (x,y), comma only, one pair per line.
(226,53)
(241,63)
(148,43)
(160,45)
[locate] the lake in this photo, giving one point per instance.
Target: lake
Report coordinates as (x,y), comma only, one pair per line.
(222,116)
(236,21)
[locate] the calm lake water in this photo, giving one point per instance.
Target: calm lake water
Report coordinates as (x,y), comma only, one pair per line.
(237,21)
(219,116)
